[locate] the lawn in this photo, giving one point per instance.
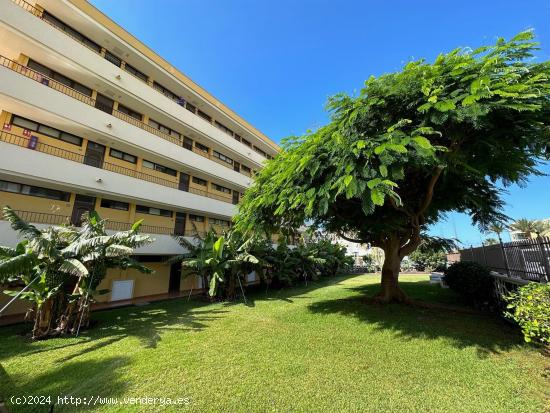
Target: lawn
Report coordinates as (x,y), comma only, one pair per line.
(308,349)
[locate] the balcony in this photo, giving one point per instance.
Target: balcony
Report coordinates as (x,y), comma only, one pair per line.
(54,219)
(82,40)
(80,158)
(68,91)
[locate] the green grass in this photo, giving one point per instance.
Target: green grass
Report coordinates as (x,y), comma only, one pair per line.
(308,349)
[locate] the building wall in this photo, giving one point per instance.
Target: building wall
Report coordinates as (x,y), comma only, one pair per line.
(59,165)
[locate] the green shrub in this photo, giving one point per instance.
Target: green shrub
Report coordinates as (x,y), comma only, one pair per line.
(530,308)
(473,282)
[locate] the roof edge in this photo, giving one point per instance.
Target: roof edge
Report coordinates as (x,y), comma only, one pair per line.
(100,17)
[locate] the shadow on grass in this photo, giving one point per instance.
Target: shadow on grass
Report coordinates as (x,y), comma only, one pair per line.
(487,333)
(260,292)
(147,323)
(69,379)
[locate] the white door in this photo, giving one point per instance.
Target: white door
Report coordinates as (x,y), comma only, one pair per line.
(122,290)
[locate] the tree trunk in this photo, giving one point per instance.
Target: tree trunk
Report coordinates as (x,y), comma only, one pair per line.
(231,291)
(390,290)
(43,319)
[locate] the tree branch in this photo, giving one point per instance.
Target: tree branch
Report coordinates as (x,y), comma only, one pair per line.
(357,241)
(430,191)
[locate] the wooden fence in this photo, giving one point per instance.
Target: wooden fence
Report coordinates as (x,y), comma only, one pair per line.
(527,259)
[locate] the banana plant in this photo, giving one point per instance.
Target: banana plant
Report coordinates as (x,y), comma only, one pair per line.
(55,259)
(98,251)
(40,264)
(193,262)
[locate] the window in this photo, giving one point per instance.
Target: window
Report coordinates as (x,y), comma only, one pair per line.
(59,77)
(129,112)
(123,156)
(112,58)
(190,107)
(25,123)
(188,143)
(71,32)
(165,91)
(153,211)
(196,218)
(224,128)
(260,152)
(246,143)
(201,147)
(164,129)
(135,72)
(160,168)
(199,181)
(220,222)
(222,157)
(46,130)
(221,188)
(245,169)
(204,116)
(67,137)
(37,191)
(237,137)
(122,206)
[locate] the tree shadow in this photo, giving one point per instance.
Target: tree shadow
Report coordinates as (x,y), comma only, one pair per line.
(147,323)
(486,332)
(70,379)
(286,294)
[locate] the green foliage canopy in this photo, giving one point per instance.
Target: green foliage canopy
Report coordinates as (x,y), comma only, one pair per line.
(413,145)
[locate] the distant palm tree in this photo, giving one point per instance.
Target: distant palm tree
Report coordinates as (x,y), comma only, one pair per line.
(497,227)
(530,228)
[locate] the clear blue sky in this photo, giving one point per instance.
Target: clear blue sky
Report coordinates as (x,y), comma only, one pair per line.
(276,62)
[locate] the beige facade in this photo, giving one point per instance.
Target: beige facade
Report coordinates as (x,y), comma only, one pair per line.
(90,118)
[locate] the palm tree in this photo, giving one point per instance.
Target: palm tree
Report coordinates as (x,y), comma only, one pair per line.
(530,228)
(55,259)
(39,262)
(193,262)
(497,227)
(98,251)
(220,261)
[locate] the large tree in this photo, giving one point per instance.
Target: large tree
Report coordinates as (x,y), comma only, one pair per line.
(410,147)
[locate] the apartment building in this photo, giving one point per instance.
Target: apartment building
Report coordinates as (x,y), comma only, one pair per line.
(92,119)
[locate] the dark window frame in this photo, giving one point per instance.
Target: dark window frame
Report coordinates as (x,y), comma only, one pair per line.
(113,58)
(112,204)
(48,17)
(142,209)
(221,188)
(123,154)
(160,168)
(130,112)
(204,116)
(59,78)
(39,191)
(37,130)
(196,218)
(202,147)
(222,157)
(199,181)
(135,72)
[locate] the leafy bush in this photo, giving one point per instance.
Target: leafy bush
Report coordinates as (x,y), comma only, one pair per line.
(428,260)
(473,282)
(530,308)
